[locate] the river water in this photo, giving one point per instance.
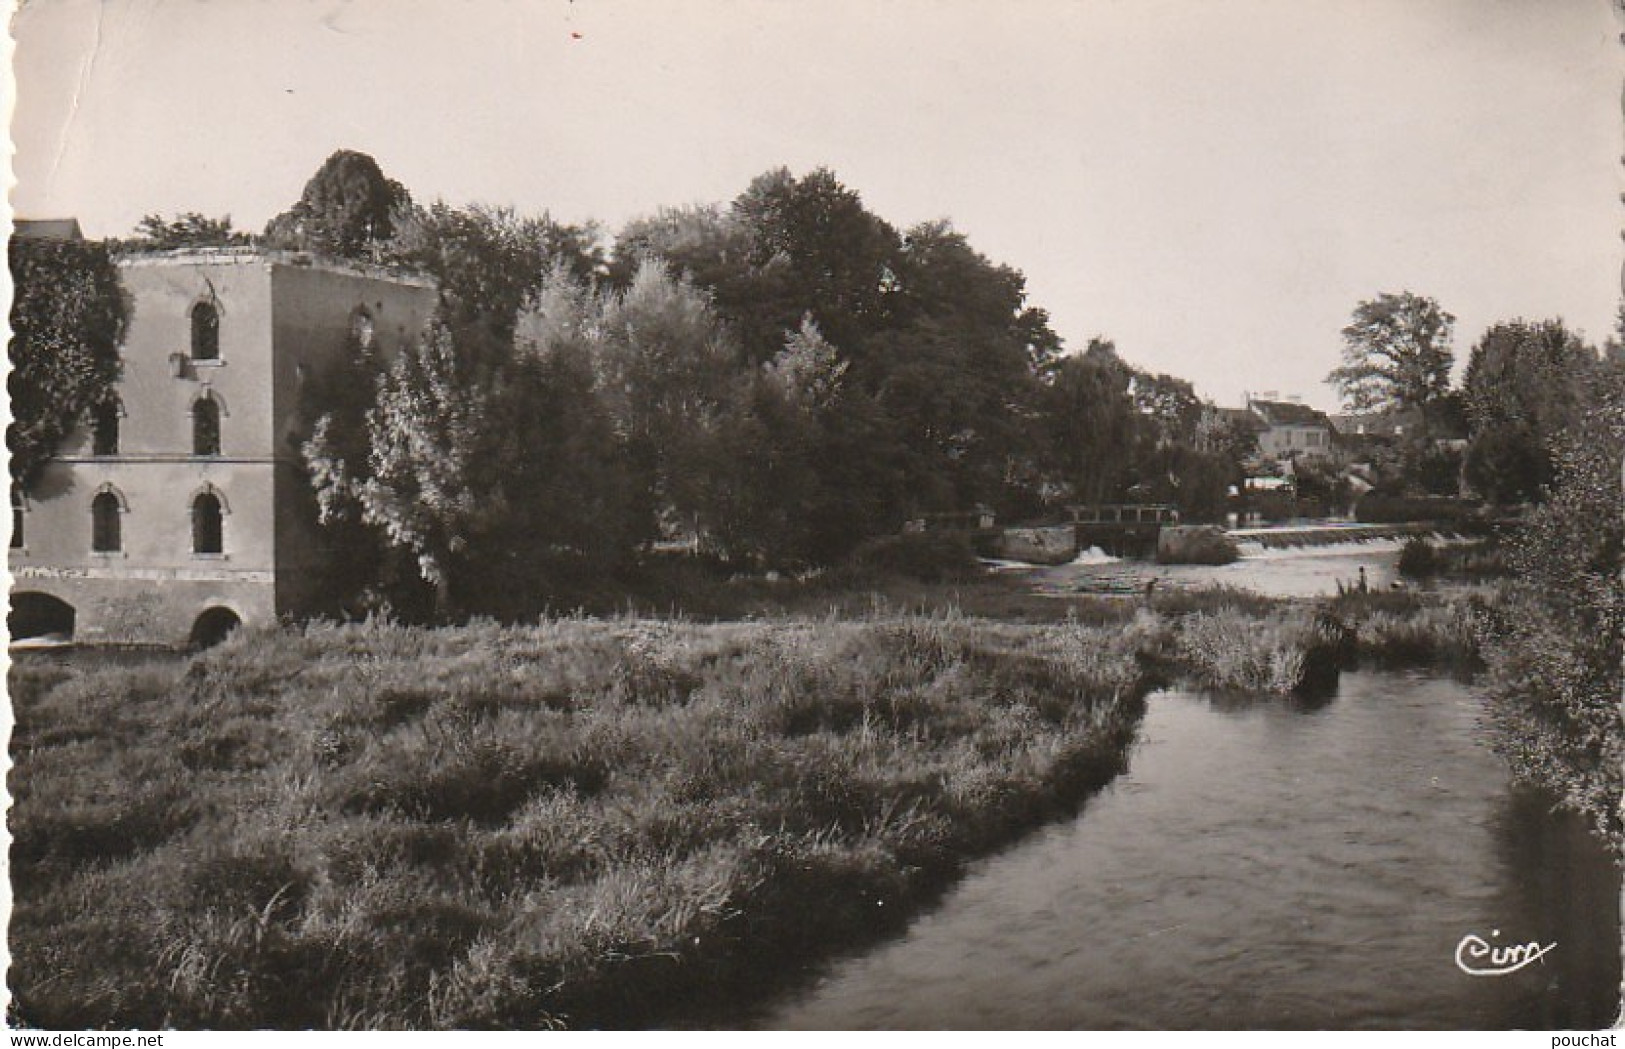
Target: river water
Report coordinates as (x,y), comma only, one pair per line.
(1266,863)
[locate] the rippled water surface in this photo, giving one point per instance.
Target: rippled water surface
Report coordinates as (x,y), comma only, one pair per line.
(1264,863)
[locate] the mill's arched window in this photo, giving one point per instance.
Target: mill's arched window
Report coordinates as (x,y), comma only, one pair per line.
(206,426)
(207,530)
(104,436)
(106,534)
(205,332)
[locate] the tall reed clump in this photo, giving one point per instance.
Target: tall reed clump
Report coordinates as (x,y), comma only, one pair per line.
(579,823)
(1279,653)
(1402,628)
(1433,635)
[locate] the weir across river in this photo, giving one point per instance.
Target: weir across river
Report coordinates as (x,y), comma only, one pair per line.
(1121,529)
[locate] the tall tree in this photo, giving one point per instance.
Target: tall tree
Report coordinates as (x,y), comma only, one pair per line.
(663,366)
(67,320)
(346,211)
(957,372)
(1089,423)
(491,465)
(568,498)
(662,362)
(335,401)
(942,352)
(1396,354)
(1523,386)
(1169,409)
(764,491)
(494,466)
(489,261)
(436,455)
(430,483)
(1222,432)
(814,244)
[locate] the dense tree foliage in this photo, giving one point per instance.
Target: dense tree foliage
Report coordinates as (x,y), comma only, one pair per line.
(1196,482)
(825,254)
(774,382)
(491,463)
(785,247)
(346,211)
(957,375)
(1556,652)
(486,460)
(67,319)
(660,361)
(941,353)
(488,261)
(1523,385)
(1169,406)
(1396,354)
(187,230)
(1223,434)
(736,418)
(711,246)
(431,483)
(1090,423)
(335,401)
(764,491)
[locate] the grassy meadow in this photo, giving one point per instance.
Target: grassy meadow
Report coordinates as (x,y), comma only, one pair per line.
(584,822)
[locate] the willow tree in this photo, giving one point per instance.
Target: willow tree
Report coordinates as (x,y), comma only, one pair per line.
(1089,423)
(662,362)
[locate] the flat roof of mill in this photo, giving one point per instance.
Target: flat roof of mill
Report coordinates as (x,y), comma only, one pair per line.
(249,255)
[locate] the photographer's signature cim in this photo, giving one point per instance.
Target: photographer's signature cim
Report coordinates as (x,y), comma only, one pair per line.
(1476,956)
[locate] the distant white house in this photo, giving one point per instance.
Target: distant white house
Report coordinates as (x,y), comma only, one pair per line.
(1281,430)
(1291,429)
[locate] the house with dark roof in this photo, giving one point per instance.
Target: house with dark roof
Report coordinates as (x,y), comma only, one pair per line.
(1398,425)
(1291,429)
(1360,429)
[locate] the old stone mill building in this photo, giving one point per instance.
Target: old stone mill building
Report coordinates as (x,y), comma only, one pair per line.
(184,509)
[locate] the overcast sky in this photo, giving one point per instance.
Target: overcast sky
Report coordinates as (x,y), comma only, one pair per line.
(1214,185)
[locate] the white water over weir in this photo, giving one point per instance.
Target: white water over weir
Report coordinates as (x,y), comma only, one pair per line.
(1305,561)
(1333,534)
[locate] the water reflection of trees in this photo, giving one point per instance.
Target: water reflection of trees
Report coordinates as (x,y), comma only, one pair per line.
(1559,885)
(1304,701)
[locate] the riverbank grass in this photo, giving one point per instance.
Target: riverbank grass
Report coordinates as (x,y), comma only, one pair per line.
(573,824)
(582,822)
(1230,641)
